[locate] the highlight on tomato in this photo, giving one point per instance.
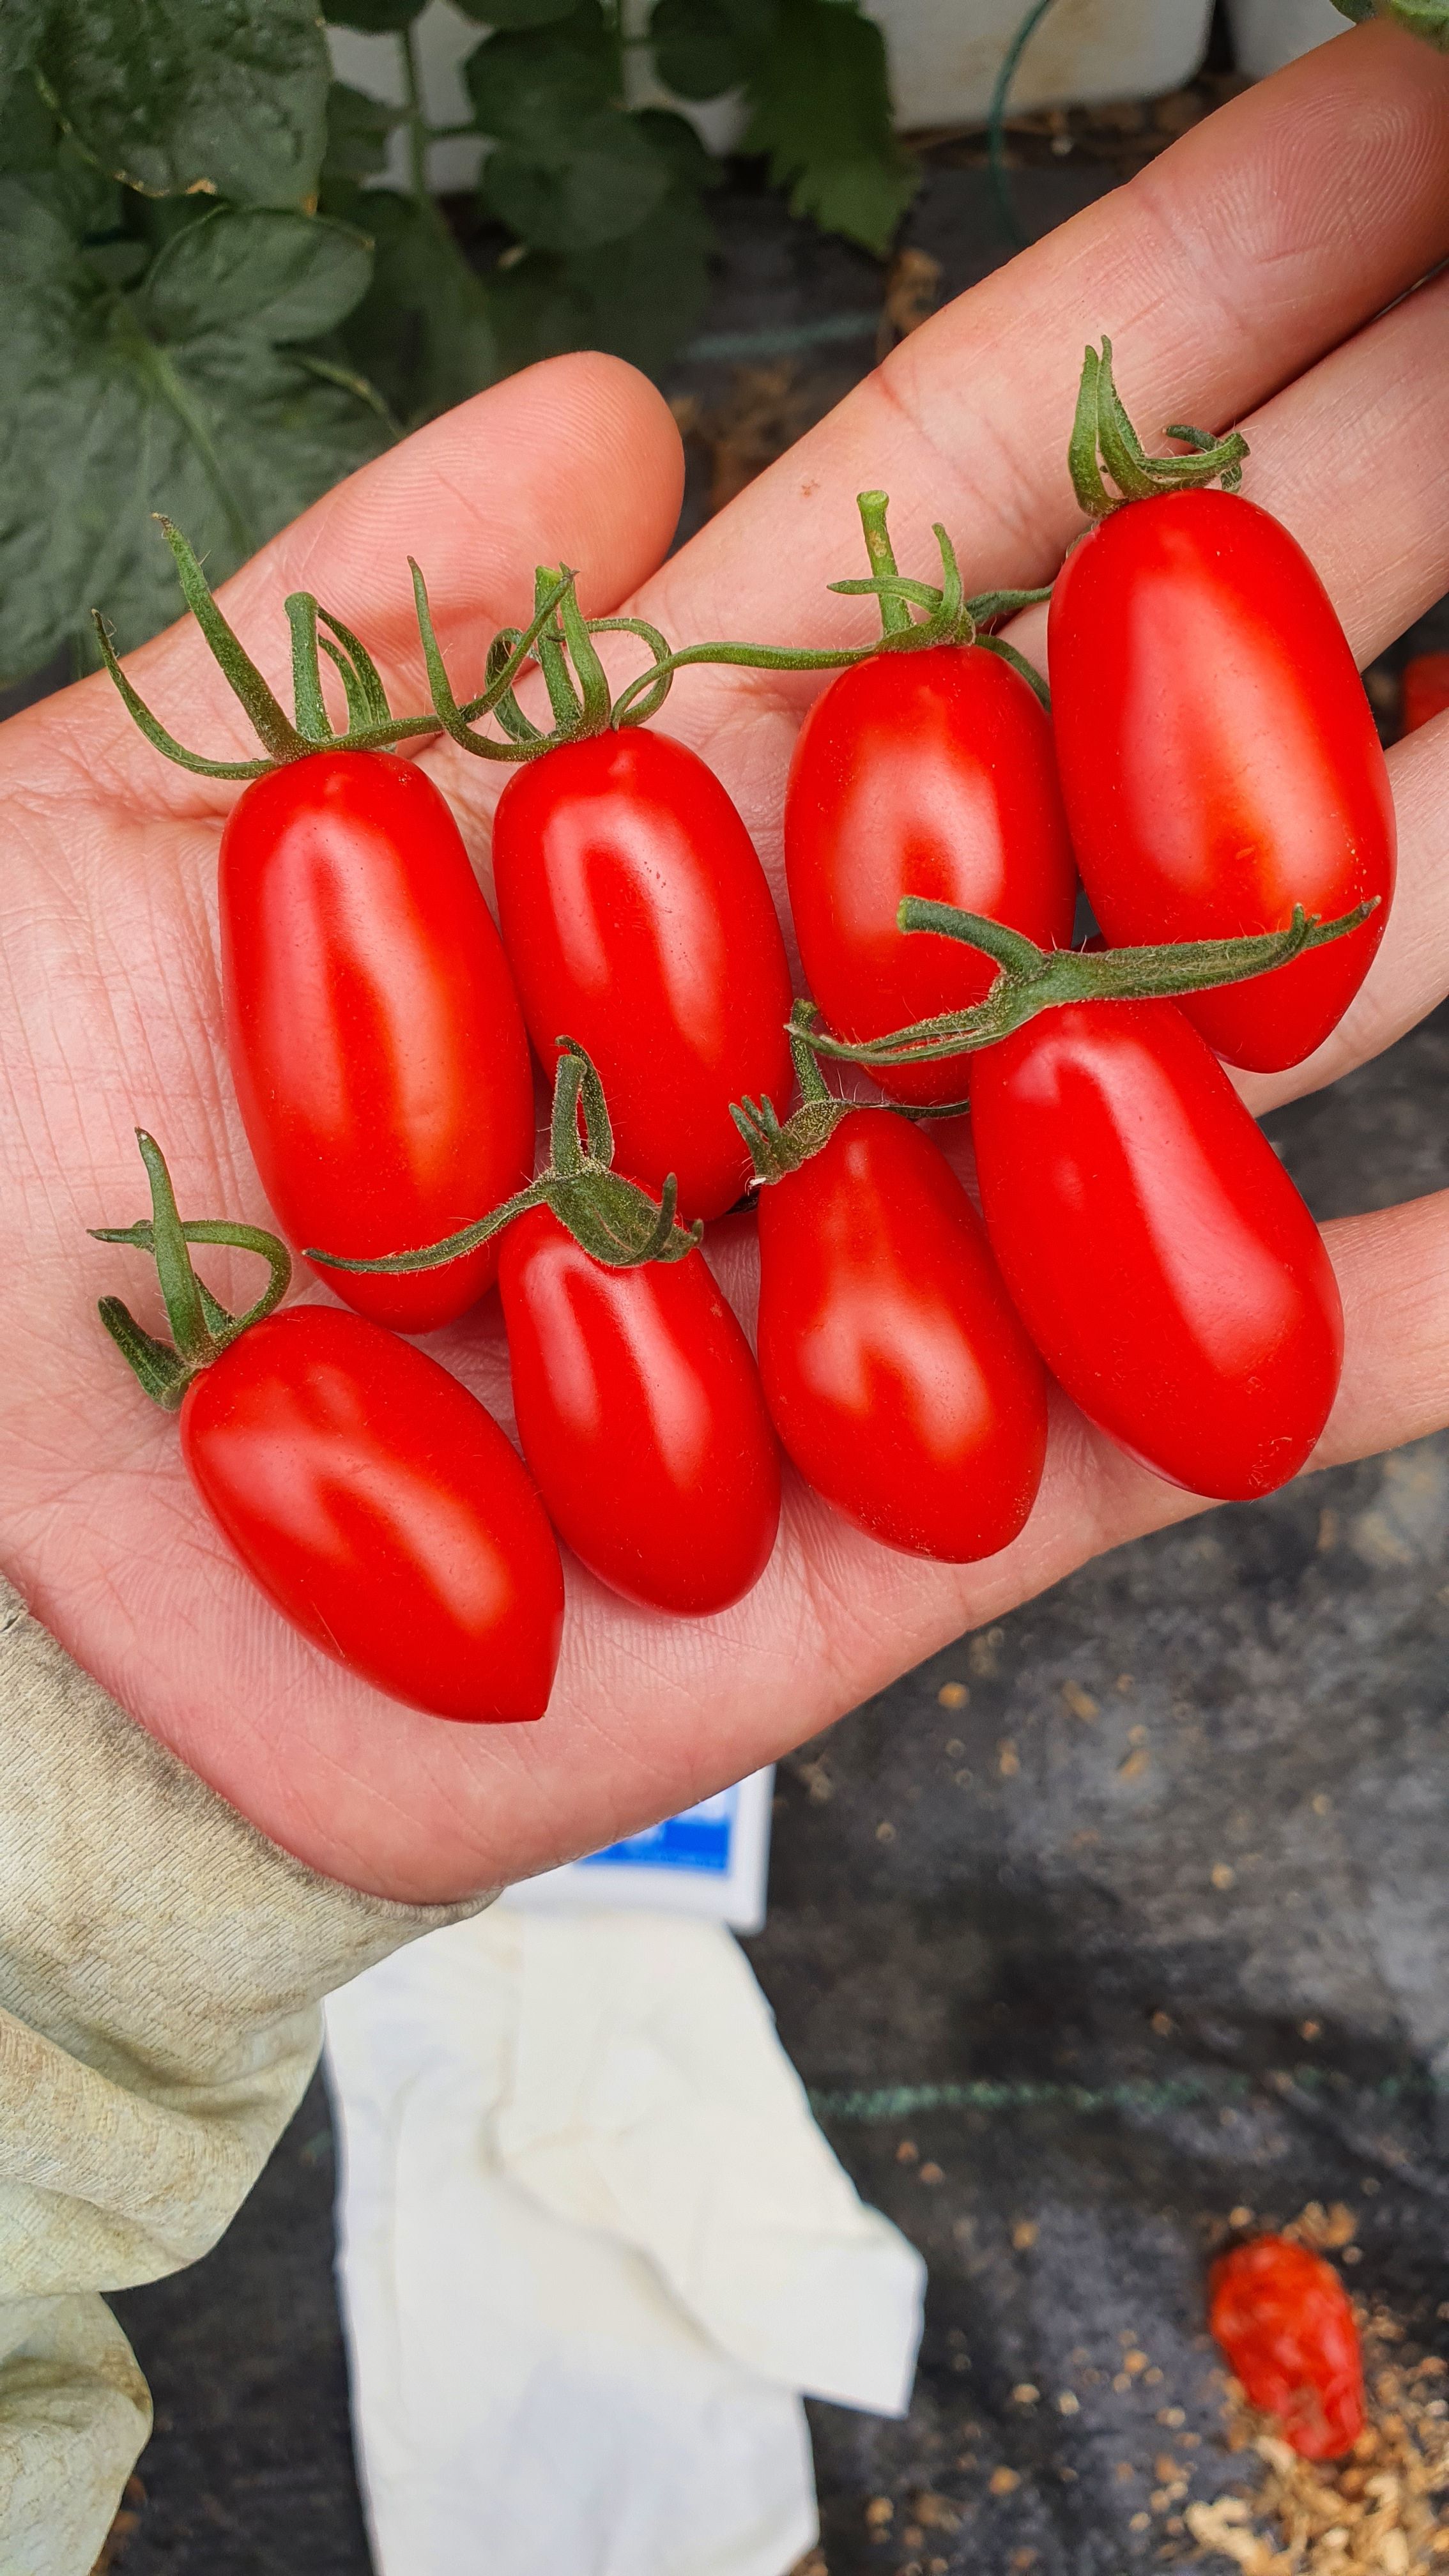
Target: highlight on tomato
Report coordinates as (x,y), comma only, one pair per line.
(638,1402)
(634,910)
(640,1413)
(636,915)
(374,1037)
(895,1369)
(1283,2320)
(924,770)
(1218,757)
(373,1500)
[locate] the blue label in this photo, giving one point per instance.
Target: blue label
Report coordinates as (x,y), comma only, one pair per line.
(698,1840)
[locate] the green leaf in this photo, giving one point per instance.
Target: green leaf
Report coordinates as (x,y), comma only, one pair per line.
(1426,18)
(29,129)
(697,50)
(639,298)
(516,13)
(821,109)
(225,96)
(675,140)
(600,180)
(22,23)
(423,332)
(188,396)
(258,269)
(359,128)
(375,17)
(534,89)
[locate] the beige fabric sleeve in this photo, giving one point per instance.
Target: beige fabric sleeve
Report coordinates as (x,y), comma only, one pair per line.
(160,1969)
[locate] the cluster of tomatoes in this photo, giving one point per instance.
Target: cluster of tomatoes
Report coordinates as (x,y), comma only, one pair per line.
(1209,772)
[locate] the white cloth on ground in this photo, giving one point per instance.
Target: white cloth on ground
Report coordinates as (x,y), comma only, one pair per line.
(593,2246)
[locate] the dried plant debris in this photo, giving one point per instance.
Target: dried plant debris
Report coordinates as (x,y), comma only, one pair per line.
(1384,2511)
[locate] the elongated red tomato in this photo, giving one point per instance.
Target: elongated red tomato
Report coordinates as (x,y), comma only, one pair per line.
(1218,758)
(926,773)
(380,1507)
(637,919)
(640,1413)
(895,1370)
(1282,2317)
(375,1039)
(1157,1252)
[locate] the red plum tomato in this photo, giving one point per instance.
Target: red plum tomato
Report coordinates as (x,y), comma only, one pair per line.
(1155,1248)
(1218,758)
(926,773)
(382,1511)
(640,1413)
(375,1039)
(1281,2315)
(637,920)
(895,1370)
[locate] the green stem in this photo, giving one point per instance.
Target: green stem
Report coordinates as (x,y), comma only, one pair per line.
(996,120)
(947,617)
(616,1222)
(1033,979)
(777,1149)
(895,616)
(1103,435)
(417,123)
(154,361)
(202,1327)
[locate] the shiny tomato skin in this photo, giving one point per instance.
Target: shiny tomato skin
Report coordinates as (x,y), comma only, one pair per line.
(1282,2317)
(1157,1252)
(1218,757)
(382,1511)
(640,1413)
(637,920)
(927,773)
(895,1369)
(375,1039)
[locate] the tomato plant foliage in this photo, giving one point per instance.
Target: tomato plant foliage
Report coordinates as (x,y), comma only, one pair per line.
(184,379)
(210,308)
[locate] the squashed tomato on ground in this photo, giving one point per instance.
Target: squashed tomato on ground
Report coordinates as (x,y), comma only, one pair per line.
(1282,2317)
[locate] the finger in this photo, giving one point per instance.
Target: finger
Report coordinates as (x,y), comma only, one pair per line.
(1393,1271)
(576,460)
(1224,269)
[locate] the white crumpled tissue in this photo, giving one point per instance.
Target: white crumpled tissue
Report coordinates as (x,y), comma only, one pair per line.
(593,2247)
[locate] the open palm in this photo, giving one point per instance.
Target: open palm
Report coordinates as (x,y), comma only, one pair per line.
(1239,277)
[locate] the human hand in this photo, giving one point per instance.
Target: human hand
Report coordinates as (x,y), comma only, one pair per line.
(1238,277)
